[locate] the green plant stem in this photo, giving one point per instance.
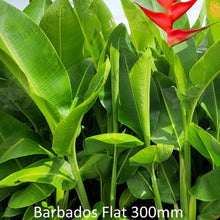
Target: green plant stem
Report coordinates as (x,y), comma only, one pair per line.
(59,196)
(80,189)
(114,57)
(65,200)
(183,186)
(156,192)
(192,208)
(114,176)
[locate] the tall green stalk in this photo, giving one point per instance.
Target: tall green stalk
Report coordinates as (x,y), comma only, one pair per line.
(114,57)
(80,189)
(156,192)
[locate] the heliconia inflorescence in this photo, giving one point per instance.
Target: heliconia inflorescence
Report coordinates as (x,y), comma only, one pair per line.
(165,20)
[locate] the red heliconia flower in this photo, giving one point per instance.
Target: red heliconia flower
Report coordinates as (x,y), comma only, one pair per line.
(178,9)
(177,36)
(166,3)
(165,20)
(161,19)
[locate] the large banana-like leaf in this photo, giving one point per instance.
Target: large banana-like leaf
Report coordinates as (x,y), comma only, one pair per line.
(96,23)
(15,101)
(202,75)
(140,78)
(15,147)
(36,9)
(56,172)
(68,128)
(62,28)
(169,128)
(10,126)
(211,103)
(177,71)
(32,194)
(36,58)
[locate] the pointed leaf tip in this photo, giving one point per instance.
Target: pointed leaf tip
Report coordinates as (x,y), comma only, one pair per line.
(161,19)
(177,36)
(180,8)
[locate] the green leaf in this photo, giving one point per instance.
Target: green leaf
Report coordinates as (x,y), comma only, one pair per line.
(15,147)
(49,111)
(36,9)
(212,7)
(169,127)
(156,153)
(61,26)
(32,194)
(99,143)
(46,75)
(210,211)
(126,199)
(201,75)
(9,212)
(199,22)
(15,101)
(207,68)
(210,103)
(8,125)
(205,143)
(55,172)
(140,78)
(168,180)
(127,109)
(140,185)
(205,188)
(96,22)
(89,169)
(187,54)
(68,128)
(81,75)
(125,170)
(140,30)
(176,70)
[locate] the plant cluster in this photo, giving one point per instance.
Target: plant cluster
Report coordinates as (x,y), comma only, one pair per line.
(92,117)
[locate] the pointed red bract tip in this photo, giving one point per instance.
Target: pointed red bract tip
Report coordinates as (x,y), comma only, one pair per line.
(161,19)
(177,36)
(180,8)
(166,3)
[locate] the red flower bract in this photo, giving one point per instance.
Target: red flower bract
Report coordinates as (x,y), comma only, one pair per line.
(161,19)
(166,3)
(165,20)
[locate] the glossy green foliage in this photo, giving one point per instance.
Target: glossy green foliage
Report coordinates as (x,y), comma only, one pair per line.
(99,143)
(55,172)
(88,109)
(205,143)
(212,7)
(205,188)
(36,9)
(152,154)
(61,26)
